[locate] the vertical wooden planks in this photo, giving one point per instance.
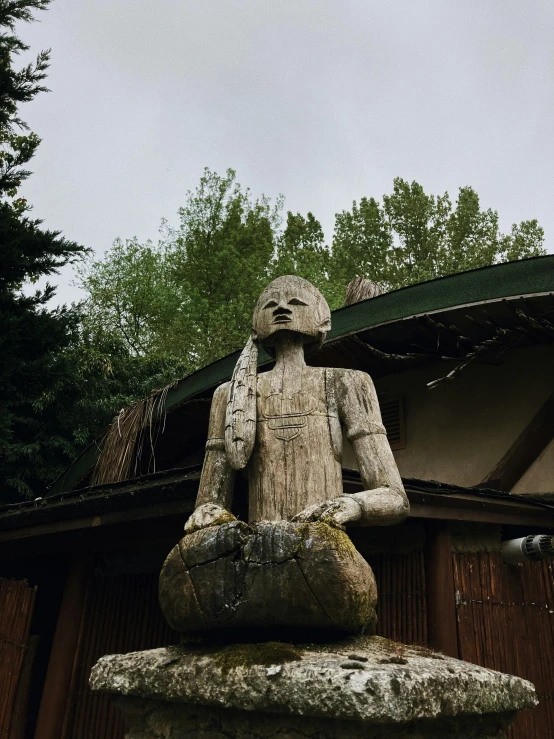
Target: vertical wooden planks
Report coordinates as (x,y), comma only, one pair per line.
(21,701)
(53,704)
(17,601)
(121,615)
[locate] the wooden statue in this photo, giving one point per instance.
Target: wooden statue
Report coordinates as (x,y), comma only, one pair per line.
(285,429)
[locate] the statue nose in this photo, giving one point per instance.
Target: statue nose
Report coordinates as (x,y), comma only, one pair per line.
(282,309)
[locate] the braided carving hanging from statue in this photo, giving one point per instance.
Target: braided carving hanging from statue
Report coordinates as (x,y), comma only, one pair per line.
(291,566)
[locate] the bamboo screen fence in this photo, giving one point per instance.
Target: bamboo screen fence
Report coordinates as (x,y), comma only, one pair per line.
(17,601)
(506,622)
(401,608)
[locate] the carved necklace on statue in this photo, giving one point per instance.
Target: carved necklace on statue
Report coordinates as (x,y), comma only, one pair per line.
(287,414)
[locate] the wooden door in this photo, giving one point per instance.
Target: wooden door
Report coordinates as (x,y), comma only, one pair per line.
(506,622)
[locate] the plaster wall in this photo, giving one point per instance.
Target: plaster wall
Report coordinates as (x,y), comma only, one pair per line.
(457,432)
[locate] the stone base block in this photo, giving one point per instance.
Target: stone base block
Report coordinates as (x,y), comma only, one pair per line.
(159,720)
(358,687)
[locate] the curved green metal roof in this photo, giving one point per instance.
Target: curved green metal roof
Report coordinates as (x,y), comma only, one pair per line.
(511,279)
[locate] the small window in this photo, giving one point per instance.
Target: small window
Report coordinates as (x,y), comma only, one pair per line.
(392,411)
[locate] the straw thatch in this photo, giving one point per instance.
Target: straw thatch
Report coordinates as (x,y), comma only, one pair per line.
(124,443)
(360,288)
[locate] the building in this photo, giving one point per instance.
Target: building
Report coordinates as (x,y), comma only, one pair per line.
(463,366)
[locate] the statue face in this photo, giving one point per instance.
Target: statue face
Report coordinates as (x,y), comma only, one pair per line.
(290,303)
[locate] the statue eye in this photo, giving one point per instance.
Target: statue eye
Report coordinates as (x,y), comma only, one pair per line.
(297,301)
(271,304)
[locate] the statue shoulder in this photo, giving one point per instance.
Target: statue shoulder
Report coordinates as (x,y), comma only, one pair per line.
(220,397)
(351,378)
(223,389)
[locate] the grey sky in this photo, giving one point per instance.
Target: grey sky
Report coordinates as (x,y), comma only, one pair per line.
(323,101)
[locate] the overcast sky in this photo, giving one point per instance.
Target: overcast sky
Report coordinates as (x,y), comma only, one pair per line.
(324,101)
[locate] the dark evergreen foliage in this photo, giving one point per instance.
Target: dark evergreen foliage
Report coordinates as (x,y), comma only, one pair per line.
(32,446)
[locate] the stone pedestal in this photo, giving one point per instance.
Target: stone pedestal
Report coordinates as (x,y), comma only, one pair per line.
(360,687)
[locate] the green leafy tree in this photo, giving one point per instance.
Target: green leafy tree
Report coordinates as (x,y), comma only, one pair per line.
(131,295)
(362,245)
(102,377)
(413,236)
(302,251)
(188,300)
(31,447)
(222,255)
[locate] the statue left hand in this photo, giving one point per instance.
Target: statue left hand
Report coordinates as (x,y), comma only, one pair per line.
(207,515)
(336,512)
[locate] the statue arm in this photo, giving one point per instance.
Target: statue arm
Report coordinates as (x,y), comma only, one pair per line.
(383,501)
(215,493)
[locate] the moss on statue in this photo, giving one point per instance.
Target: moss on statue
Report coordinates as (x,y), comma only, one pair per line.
(219,520)
(268,575)
(338,540)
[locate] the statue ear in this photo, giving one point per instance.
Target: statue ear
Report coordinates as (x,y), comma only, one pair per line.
(253,335)
(326,325)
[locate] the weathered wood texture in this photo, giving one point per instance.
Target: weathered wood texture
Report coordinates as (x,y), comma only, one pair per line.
(17,601)
(268,576)
(506,622)
(121,614)
(286,426)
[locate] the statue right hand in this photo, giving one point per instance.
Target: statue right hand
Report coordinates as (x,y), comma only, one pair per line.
(336,512)
(206,515)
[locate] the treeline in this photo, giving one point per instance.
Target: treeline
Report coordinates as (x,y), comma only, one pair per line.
(189,298)
(153,313)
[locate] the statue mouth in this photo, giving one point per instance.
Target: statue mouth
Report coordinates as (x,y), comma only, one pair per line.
(282,319)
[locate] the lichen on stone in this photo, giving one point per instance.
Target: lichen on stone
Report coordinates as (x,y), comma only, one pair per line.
(320,680)
(246,655)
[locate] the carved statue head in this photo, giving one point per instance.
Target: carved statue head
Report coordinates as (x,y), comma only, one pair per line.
(291,303)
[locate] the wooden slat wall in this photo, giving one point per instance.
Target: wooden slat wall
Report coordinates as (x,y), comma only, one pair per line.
(17,602)
(401,608)
(121,614)
(506,622)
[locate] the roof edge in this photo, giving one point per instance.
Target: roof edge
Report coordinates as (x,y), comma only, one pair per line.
(524,277)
